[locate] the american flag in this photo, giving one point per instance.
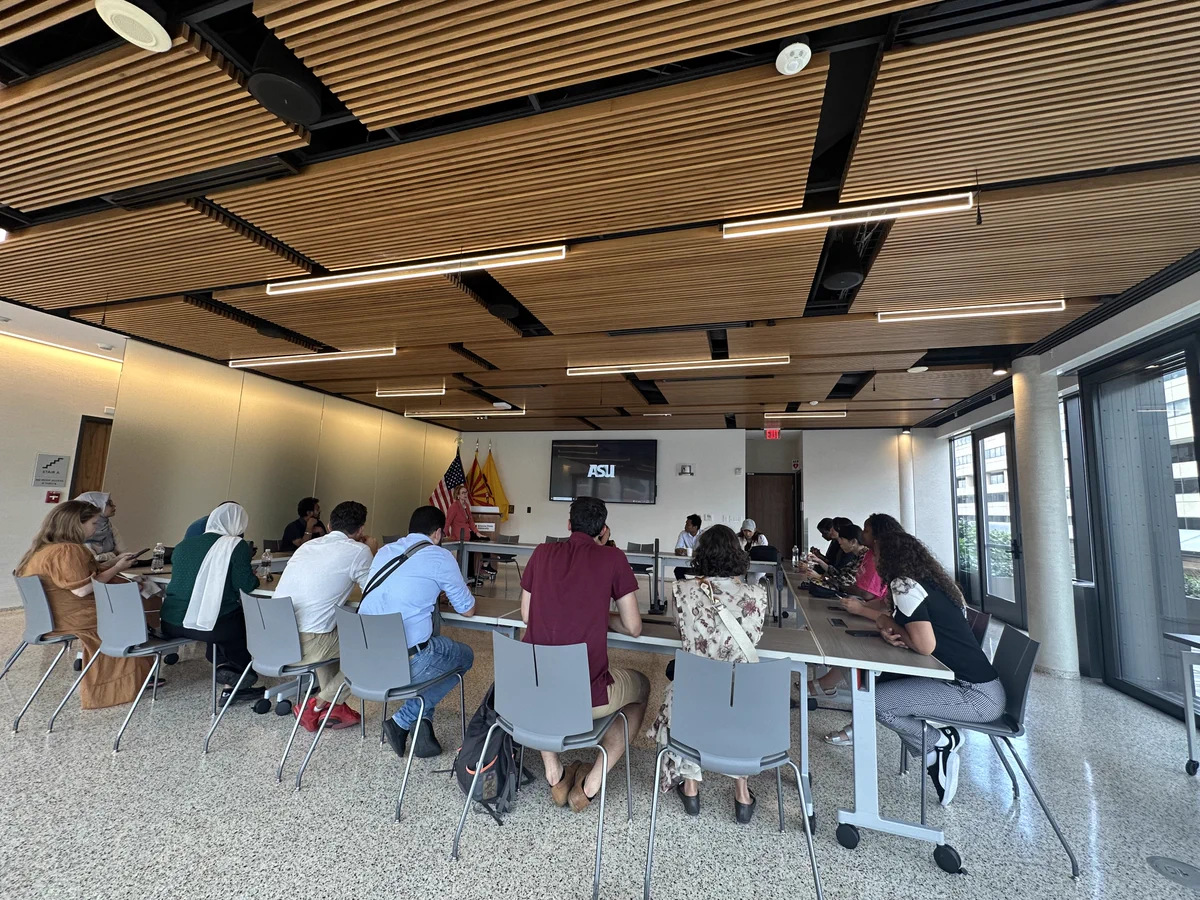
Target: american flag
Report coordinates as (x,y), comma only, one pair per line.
(443,494)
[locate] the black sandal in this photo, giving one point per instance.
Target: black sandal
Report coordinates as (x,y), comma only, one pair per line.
(691,805)
(744,812)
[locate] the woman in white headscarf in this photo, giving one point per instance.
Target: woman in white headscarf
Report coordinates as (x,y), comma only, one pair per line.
(105,543)
(203,601)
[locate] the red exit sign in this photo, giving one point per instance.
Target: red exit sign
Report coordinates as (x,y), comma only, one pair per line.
(772,434)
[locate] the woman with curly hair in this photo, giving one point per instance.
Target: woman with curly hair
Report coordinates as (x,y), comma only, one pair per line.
(721,617)
(928,618)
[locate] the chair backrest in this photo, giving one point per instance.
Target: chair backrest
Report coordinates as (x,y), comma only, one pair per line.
(273,546)
(543,692)
(374,652)
(38,618)
(508,539)
(120,617)
(639,548)
(1014,659)
(979,622)
(272,635)
(550,539)
(391,538)
(764,554)
(733,716)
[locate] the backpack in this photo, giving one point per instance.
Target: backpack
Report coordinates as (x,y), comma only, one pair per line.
(496,788)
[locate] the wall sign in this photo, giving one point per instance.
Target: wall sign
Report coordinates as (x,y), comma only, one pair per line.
(51,470)
(772,434)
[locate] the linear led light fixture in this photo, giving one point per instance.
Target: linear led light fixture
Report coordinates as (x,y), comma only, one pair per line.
(685,365)
(850,215)
(657,415)
(419,270)
(974,311)
(414,392)
(33,340)
(832,414)
(259,361)
(460,413)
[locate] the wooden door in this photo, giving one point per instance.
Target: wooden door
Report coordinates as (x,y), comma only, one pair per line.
(91,455)
(771,503)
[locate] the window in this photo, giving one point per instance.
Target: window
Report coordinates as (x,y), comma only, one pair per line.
(965,523)
(996,478)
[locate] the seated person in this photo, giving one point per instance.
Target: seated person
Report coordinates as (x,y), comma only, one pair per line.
(721,617)
(319,577)
(197,528)
(686,543)
(305,528)
(750,537)
(567,592)
(106,544)
(65,566)
(413,589)
(203,599)
(829,557)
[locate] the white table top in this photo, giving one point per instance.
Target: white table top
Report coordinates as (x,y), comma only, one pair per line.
(1191,640)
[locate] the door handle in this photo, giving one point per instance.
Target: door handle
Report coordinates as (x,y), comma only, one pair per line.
(1015,548)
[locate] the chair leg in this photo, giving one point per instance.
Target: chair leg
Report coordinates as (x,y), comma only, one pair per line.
(382,736)
(808,836)
(520,768)
(462,708)
(462,820)
(1012,776)
(70,691)
(312,678)
(600,825)
(152,674)
(154,687)
(12,659)
(36,690)
(1042,803)
(779,795)
(903,759)
(628,777)
(412,746)
(924,756)
(653,822)
(362,718)
(312,748)
(217,720)
(214,680)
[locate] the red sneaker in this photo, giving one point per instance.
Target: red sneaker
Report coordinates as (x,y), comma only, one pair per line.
(308,715)
(342,717)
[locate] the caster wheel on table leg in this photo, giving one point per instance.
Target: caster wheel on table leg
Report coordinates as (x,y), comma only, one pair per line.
(262,707)
(283,708)
(847,836)
(170,659)
(1192,767)
(947,859)
(77,665)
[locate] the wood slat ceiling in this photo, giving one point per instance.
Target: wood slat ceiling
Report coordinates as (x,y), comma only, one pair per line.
(1099,89)
(592,350)
(739,393)
(946,385)
(393,62)
(582,394)
(21,18)
(123,255)
(855,419)
(430,364)
(407,313)
(175,323)
(642,423)
(128,118)
(679,277)
(533,377)
(1075,239)
(699,151)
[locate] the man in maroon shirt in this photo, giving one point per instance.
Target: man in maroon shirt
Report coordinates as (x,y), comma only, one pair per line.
(567,591)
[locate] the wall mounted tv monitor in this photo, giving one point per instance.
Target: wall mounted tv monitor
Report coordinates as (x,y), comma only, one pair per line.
(614,471)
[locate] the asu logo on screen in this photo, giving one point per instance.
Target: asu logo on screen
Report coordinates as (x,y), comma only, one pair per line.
(602,471)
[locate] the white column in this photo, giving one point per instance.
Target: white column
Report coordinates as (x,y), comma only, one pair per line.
(1041,485)
(908,499)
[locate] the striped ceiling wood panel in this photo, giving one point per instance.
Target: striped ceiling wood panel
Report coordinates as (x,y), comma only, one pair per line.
(954,384)
(855,419)
(128,118)
(173,322)
(21,18)
(361,375)
(406,313)
(592,350)
(583,393)
(678,278)
(1083,238)
(123,255)
(533,377)
(737,393)
(393,62)
(1099,89)
(644,423)
(514,423)
(699,151)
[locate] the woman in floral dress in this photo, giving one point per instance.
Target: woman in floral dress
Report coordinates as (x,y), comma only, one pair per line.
(721,617)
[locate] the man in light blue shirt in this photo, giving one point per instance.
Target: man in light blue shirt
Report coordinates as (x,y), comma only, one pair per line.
(413,589)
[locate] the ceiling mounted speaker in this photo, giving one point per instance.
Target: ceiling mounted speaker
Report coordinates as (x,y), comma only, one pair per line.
(794,54)
(502,309)
(282,85)
(843,271)
(134,24)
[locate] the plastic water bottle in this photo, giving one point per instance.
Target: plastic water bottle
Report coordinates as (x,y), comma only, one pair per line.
(795,555)
(158,561)
(264,566)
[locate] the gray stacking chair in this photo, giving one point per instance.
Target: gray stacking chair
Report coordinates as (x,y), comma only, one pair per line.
(735,720)
(550,539)
(544,700)
(391,538)
(273,639)
(508,557)
(38,623)
(377,669)
(1015,656)
(121,624)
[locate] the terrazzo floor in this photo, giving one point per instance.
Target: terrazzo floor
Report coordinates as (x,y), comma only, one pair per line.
(162,820)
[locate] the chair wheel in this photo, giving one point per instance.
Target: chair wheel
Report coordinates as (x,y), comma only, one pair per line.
(947,859)
(1192,767)
(170,659)
(847,836)
(78,667)
(283,708)
(262,706)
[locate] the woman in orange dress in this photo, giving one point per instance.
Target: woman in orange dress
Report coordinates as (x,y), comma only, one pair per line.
(66,568)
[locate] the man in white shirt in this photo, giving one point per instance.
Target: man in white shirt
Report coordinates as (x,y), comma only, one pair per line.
(686,543)
(320,576)
(413,589)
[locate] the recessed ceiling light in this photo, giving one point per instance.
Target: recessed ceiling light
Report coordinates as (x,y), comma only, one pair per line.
(849,215)
(906,430)
(973,311)
(104,346)
(999,369)
(813,402)
(3,235)
(621,368)
(500,404)
(937,399)
(917,370)
(260,361)
(134,24)
(794,55)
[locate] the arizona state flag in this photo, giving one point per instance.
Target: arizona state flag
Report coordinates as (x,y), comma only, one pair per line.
(477,485)
(493,481)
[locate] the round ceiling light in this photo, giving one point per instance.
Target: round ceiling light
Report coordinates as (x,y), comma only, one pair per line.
(916,370)
(793,56)
(134,24)
(813,402)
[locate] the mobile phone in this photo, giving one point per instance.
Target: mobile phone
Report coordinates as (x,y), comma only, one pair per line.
(837,623)
(854,632)
(835,609)
(142,552)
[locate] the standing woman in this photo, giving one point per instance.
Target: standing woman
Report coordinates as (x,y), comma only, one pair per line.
(721,617)
(460,524)
(66,567)
(929,619)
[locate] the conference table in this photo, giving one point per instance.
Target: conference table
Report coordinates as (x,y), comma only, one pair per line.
(1191,658)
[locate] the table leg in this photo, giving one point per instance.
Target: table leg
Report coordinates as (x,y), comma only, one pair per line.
(1191,658)
(805,779)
